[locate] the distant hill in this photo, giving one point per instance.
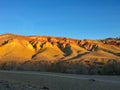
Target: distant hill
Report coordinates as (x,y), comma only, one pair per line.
(22,49)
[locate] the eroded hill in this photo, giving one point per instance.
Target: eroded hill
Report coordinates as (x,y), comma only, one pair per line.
(22,49)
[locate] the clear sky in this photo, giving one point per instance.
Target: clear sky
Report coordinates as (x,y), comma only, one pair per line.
(80,19)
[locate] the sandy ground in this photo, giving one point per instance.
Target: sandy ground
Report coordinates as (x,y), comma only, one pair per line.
(25,80)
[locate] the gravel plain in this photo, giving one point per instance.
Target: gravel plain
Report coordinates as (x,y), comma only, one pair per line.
(27,80)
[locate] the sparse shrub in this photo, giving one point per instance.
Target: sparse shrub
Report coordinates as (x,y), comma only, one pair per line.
(112,67)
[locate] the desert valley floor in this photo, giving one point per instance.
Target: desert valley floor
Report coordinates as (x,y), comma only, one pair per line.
(27,80)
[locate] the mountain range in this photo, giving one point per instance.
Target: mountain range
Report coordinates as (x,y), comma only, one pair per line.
(20,48)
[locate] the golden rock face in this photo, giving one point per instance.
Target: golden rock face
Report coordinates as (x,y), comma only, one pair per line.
(23,48)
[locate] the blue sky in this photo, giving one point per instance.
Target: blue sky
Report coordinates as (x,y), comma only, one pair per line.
(80,19)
